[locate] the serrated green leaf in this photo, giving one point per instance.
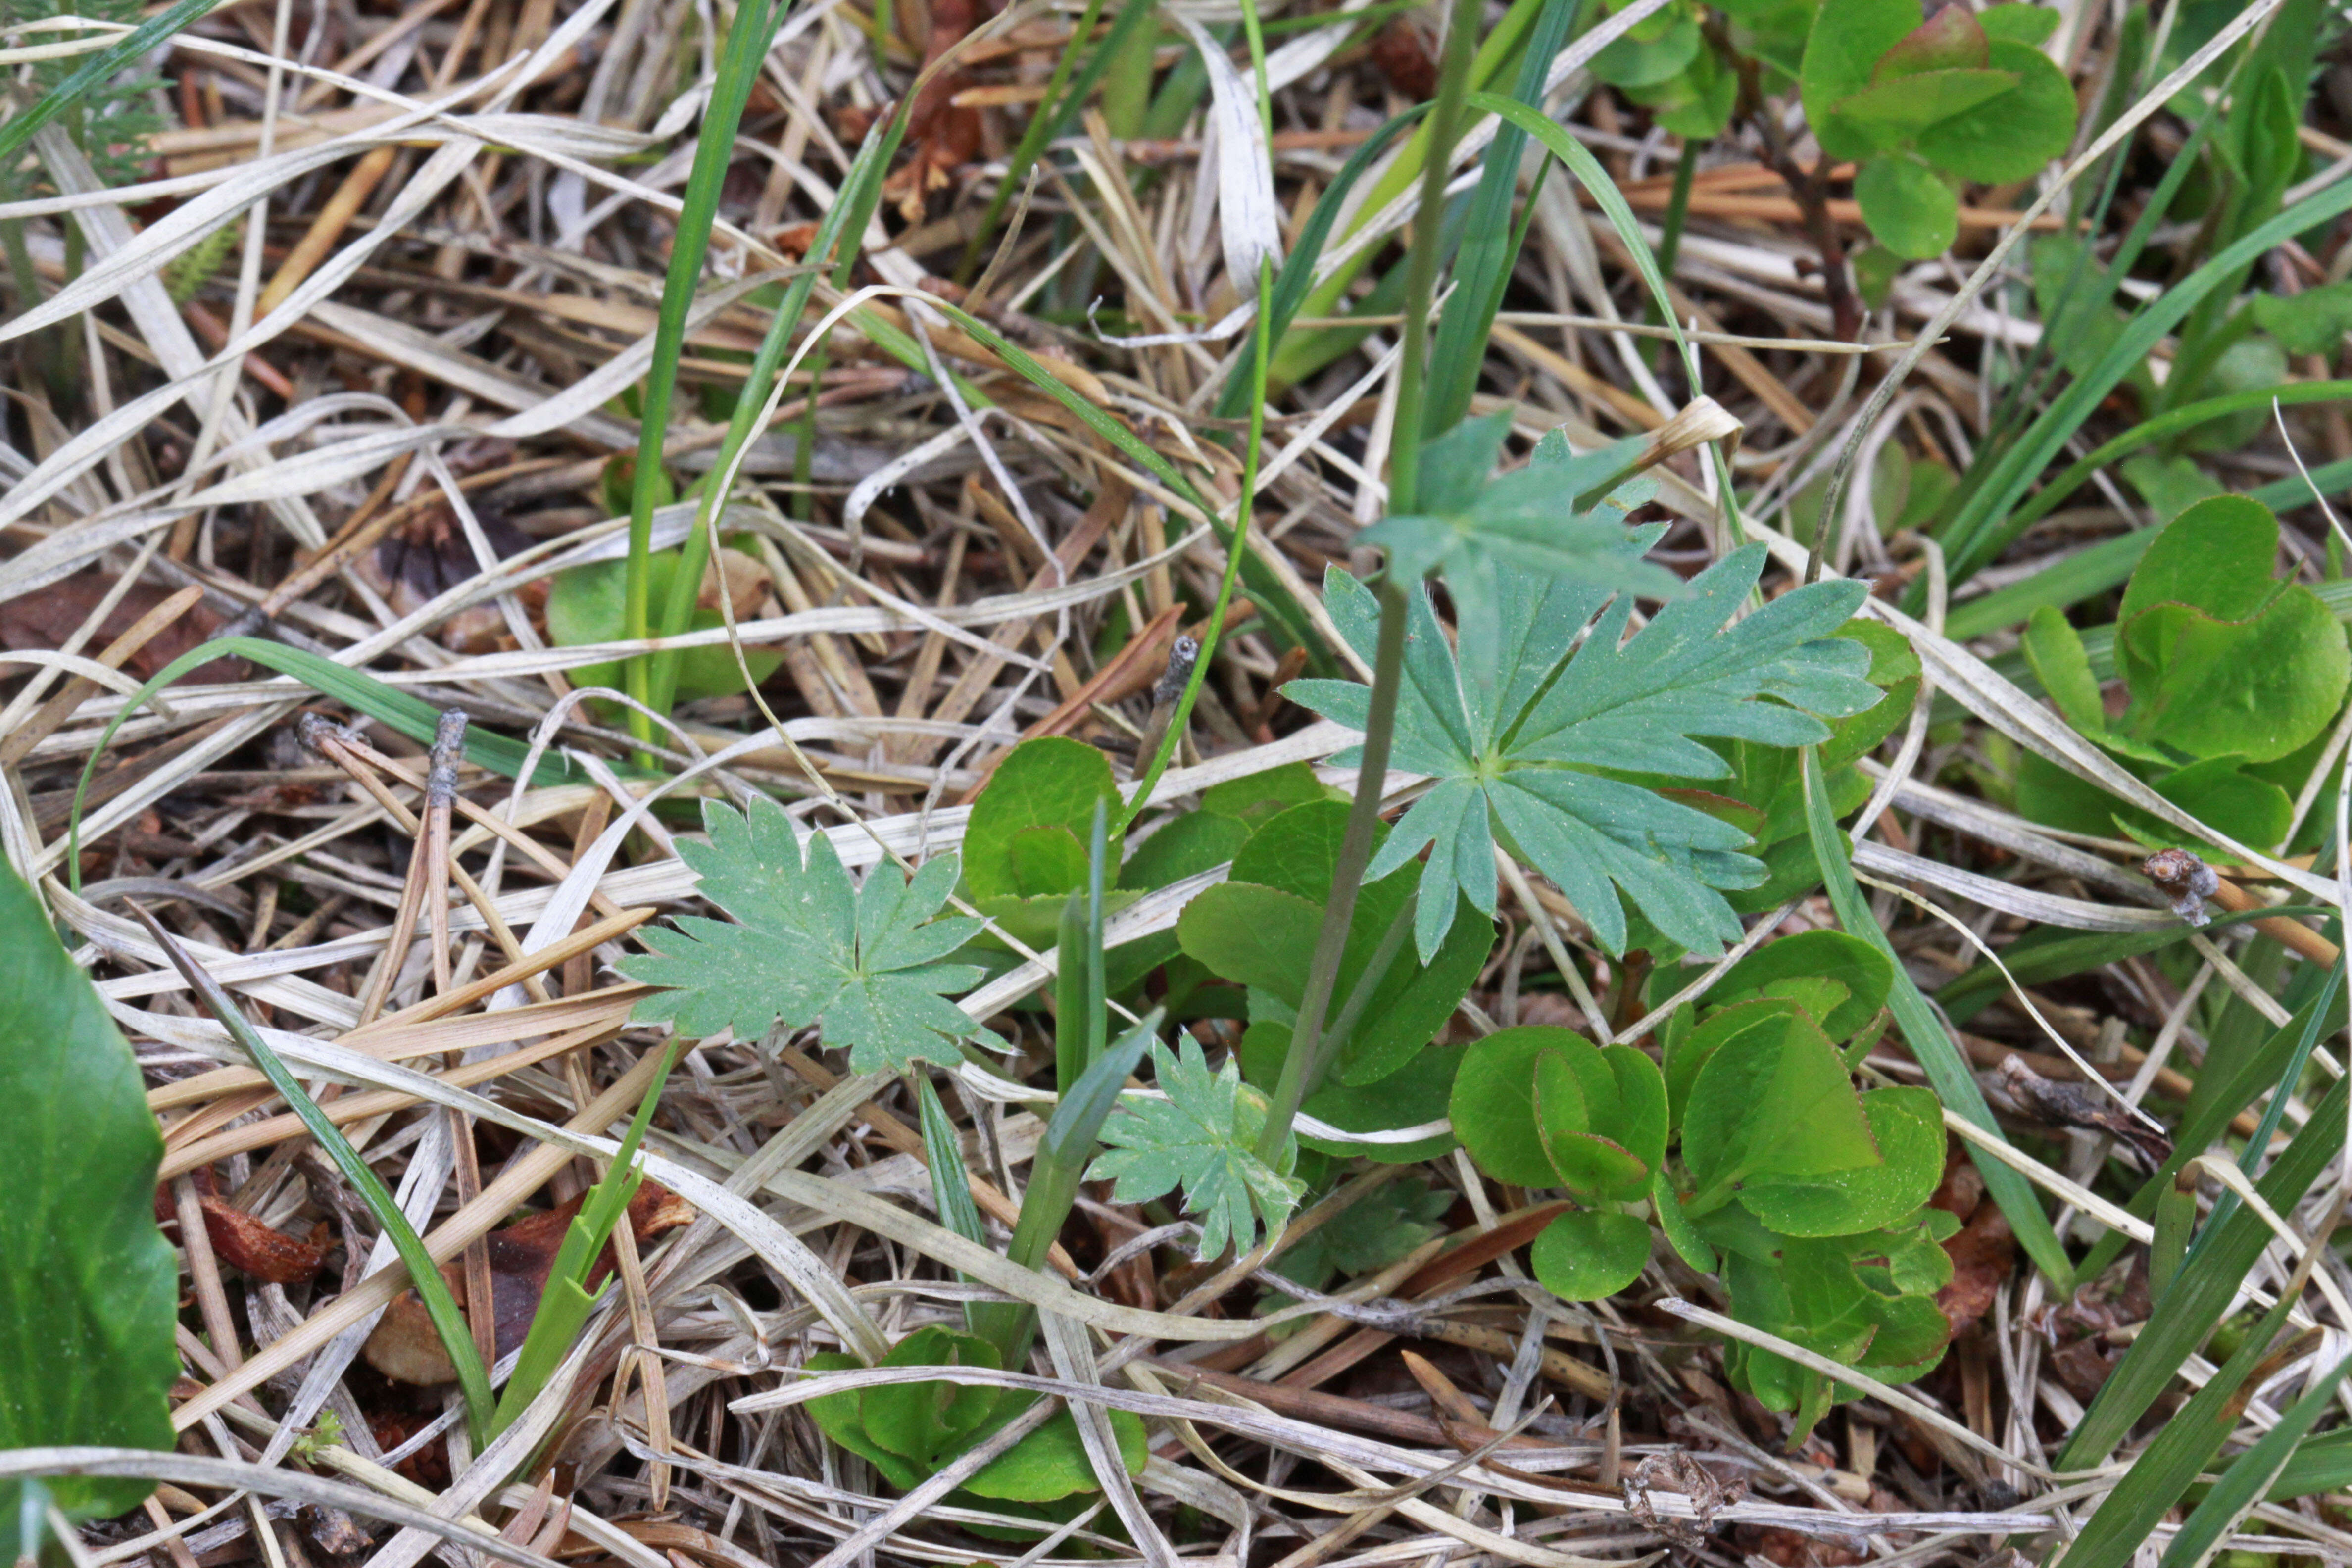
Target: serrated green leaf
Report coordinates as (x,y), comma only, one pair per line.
(90,1287)
(1473,527)
(1512,729)
(861,964)
(1202,1138)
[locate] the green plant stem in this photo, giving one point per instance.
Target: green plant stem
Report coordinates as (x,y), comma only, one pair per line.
(1670,232)
(1236,551)
(747,44)
(1421,268)
(1347,880)
(1301,1067)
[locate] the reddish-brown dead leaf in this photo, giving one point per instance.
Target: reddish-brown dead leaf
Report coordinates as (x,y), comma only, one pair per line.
(1982,1255)
(404,1346)
(44,620)
(270,1255)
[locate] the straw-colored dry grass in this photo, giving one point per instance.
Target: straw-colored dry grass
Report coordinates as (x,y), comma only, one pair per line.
(435,237)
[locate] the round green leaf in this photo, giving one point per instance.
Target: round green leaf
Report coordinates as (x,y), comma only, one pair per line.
(1408,1097)
(1773,1102)
(1908,1125)
(2010,137)
(1909,206)
(925,1420)
(1865,973)
(1052,1462)
(1587,1164)
(1641,1116)
(840,1417)
(1493,1102)
(1051,782)
(1590,1254)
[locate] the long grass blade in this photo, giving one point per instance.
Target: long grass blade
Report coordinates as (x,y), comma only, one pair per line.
(1947,1070)
(17,130)
(424,1274)
(2253,1475)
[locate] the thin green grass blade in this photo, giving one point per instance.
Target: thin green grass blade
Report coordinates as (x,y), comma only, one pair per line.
(17,130)
(2162,427)
(1947,1070)
(1969,536)
(1296,277)
(2174,1458)
(1062,1154)
(1236,555)
(739,66)
(564,1306)
(456,1337)
(2207,1283)
(998,1323)
(411,716)
(1490,245)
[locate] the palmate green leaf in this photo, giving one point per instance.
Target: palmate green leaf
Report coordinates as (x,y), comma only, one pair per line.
(1472,526)
(88,1286)
(863,965)
(1202,1138)
(1513,731)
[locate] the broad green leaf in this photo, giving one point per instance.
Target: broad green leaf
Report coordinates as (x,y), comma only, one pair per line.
(841,1418)
(1492,1105)
(1255,798)
(1861,970)
(1027,834)
(1591,1254)
(2311,322)
(1908,206)
(1774,1102)
(1202,1138)
(1896,109)
(1680,1233)
(2010,137)
(1259,928)
(1587,1162)
(2170,486)
(585,605)
(1415,1094)
(2054,650)
(863,965)
(1688,1052)
(2019,24)
(1511,731)
(1635,61)
(1195,842)
(2222,660)
(1052,1463)
(89,1289)
(1848,40)
(1949,40)
(2252,365)
(1908,1127)
(922,1421)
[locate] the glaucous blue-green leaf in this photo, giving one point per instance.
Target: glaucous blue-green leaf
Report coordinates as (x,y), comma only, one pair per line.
(1590,1254)
(2222,660)
(863,965)
(1202,1138)
(1475,527)
(1514,730)
(88,1288)
(1909,207)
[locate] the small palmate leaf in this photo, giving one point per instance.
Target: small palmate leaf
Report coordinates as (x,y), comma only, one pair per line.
(863,965)
(1202,1138)
(1513,732)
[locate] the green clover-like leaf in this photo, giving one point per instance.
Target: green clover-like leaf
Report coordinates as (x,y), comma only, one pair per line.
(862,964)
(1202,1138)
